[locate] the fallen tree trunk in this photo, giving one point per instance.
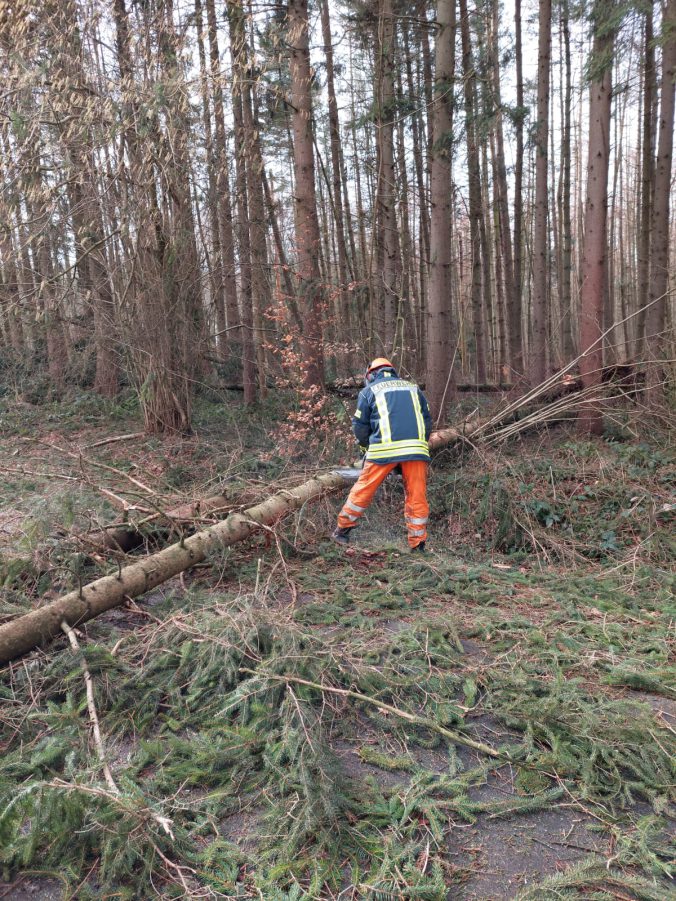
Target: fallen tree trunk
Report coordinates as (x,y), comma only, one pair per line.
(34,629)
(37,627)
(127,536)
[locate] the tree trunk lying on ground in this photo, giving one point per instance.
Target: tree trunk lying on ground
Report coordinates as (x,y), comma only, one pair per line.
(36,628)
(127,536)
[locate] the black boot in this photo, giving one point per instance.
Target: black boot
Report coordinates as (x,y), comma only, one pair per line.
(419,548)
(341,536)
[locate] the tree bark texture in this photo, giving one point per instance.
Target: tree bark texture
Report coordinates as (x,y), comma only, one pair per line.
(538,355)
(659,257)
(225,218)
(440,326)
(475,203)
(515,314)
(308,243)
(386,275)
(336,164)
(647,192)
(566,226)
(595,250)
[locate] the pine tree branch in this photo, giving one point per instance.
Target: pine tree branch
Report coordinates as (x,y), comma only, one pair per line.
(423,721)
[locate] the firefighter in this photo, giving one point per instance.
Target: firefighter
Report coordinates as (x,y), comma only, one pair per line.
(392,424)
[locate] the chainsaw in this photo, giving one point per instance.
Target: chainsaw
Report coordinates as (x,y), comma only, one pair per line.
(353,473)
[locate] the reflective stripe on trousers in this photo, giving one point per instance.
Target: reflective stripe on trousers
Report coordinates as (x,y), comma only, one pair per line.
(416,509)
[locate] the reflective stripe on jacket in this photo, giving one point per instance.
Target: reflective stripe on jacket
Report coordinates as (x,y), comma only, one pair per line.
(393,420)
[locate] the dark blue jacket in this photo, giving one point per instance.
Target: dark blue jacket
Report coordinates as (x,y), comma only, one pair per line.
(392,419)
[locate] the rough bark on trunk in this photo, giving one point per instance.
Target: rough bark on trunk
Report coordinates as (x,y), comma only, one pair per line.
(595,250)
(336,165)
(252,163)
(515,328)
(566,227)
(538,354)
(512,302)
(227,234)
(475,206)
(659,256)
(440,326)
(215,258)
(308,242)
(244,236)
(647,178)
(386,280)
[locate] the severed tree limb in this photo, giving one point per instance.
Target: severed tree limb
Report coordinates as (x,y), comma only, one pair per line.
(34,629)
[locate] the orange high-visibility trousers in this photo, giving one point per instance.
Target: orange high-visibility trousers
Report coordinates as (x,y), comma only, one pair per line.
(416,509)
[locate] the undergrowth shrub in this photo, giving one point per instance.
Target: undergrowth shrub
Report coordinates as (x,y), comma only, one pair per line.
(566,509)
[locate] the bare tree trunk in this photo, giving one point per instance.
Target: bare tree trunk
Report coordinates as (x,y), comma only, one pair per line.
(38,206)
(406,259)
(594,268)
(659,257)
(76,136)
(515,314)
(253,164)
(160,327)
(647,178)
(215,258)
(475,205)
(89,241)
(387,280)
(9,285)
(502,194)
(538,355)
(305,204)
(566,227)
(227,235)
(244,236)
(336,163)
(440,326)
(419,154)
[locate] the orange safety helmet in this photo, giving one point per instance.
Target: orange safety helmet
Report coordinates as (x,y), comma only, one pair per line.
(378,363)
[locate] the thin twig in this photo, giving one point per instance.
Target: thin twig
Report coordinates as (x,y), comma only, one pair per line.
(113,440)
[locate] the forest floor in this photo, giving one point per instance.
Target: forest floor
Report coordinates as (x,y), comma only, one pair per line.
(283,706)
